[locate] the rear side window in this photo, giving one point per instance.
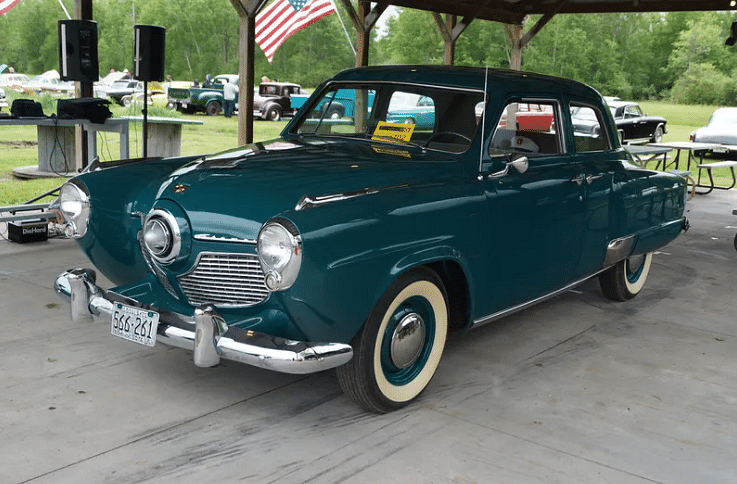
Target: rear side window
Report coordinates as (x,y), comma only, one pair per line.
(587,129)
(530,128)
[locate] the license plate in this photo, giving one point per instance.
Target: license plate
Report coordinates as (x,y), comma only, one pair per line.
(133,324)
(184,105)
(720,150)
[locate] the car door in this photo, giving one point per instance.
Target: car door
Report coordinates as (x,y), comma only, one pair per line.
(639,122)
(597,160)
(535,218)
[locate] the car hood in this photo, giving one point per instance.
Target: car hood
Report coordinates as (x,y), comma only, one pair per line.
(726,135)
(233,193)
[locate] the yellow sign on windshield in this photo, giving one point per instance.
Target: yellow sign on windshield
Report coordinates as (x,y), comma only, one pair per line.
(393,132)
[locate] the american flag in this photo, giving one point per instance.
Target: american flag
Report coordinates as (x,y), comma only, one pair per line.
(283,18)
(6,5)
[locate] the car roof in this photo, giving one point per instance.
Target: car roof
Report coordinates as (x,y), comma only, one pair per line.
(495,80)
(619,104)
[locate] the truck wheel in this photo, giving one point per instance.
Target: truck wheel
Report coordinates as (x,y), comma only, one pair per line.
(212,108)
(273,113)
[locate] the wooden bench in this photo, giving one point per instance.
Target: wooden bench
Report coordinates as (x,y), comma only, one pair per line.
(710,166)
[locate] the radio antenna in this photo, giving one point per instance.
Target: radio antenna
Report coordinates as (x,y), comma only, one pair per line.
(483,119)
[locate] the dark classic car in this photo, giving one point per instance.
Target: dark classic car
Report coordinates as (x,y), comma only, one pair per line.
(120,89)
(357,244)
(721,129)
(632,125)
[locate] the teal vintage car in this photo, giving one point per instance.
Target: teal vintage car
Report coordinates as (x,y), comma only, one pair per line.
(355,243)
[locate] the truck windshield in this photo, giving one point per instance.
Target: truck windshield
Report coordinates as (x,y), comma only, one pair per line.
(436,118)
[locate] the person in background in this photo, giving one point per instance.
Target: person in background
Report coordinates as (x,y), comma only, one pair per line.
(208,81)
(230,90)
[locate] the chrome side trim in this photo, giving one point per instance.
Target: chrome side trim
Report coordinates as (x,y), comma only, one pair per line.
(618,249)
(215,238)
(506,312)
(206,333)
(311,201)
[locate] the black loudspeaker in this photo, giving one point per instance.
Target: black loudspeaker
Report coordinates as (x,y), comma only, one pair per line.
(78,50)
(148,52)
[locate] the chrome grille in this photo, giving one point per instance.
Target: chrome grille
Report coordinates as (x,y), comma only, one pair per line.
(225,280)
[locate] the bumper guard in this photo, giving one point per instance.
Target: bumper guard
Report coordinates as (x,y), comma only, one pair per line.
(205,333)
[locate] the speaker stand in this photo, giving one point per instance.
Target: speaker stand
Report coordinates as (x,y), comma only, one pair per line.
(145,119)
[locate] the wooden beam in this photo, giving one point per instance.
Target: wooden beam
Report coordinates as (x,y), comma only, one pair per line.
(450,31)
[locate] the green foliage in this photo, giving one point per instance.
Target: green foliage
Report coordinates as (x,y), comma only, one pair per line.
(640,56)
(704,84)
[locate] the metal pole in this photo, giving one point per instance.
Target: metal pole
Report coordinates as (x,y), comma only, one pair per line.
(145,119)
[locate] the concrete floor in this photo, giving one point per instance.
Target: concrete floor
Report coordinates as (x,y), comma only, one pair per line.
(576,390)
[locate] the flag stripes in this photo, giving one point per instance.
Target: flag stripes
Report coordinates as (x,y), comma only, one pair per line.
(277,22)
(6,5)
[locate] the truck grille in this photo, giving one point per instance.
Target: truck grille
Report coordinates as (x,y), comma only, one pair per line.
(225,280)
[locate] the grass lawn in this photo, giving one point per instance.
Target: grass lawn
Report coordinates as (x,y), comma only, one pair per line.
(18,144)
(18,147)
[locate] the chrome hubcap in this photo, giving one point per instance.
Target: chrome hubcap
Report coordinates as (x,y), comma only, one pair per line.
(408,340)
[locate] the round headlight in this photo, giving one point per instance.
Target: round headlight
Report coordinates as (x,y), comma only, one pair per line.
(280,254)
(157,237)
(161,236)
(74,205)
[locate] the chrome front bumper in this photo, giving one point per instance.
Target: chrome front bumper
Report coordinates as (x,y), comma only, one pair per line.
(205,333)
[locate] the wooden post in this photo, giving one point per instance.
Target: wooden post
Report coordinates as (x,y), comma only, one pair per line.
(247,11)
(246,78)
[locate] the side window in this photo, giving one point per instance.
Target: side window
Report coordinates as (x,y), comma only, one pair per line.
(527,127)
(587,133)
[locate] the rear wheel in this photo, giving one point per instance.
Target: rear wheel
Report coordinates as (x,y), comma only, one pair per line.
(626,278)
(399,348)
(212,108)
(273,113)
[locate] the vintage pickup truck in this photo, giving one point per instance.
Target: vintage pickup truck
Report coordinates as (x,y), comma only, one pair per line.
(198,99)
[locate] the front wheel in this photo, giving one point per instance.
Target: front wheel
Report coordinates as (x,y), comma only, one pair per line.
(399,348)
(626,278)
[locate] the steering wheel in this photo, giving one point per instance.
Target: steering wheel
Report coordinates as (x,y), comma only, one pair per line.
(450,134)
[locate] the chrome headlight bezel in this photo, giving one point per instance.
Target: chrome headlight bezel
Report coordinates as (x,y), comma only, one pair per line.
(279,247)
(74,205)
(158,219)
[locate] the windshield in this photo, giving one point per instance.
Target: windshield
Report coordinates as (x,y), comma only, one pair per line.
(432,117)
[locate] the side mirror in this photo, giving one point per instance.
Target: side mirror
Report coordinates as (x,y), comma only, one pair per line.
(517,161)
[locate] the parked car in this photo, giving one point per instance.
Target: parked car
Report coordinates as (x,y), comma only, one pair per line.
(722,129)
(3,99)
(355,244)
(101,86)
(632,125)
(14,81)
(413,109)
(156,97)
(119,89)
(273,100)
(192,99)
(50,82)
